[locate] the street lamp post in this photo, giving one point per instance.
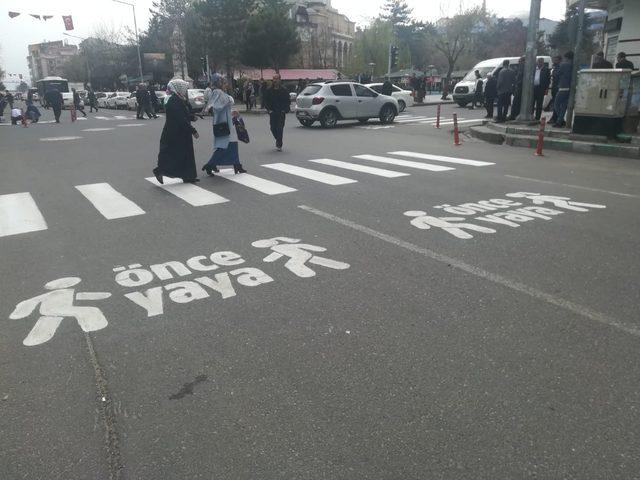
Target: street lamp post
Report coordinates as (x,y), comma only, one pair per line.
(372,66)
(135,26)
(526,101)
(86,56)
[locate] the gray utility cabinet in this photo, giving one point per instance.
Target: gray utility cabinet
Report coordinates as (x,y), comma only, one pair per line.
(602,97)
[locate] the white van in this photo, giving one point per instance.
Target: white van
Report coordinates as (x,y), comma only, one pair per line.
(465,89)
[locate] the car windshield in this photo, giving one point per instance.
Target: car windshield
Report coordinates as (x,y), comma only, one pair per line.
(483,73)
(311,90)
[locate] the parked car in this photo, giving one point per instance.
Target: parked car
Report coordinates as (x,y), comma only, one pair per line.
(67,100)
(465,89)
(330,102)
(132,102)
(404,97)
(118,100)
(196,99)
(103,97)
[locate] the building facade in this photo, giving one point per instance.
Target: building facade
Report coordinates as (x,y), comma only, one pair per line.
(621,32)
(327,35)
(48,59)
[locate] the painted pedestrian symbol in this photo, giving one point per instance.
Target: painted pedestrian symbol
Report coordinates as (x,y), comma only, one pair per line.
(58,304)
(448,224)
(298,255)
(560,202)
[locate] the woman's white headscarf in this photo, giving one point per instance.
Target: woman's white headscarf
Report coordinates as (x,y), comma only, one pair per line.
(179,87)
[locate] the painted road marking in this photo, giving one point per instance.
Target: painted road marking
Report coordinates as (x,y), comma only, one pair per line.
(463,121)
(19,214)
(404,163)
(574,186)
(440,158)
(381,172)
(108,201)
(131,124)
(188,192)
(57,139)
(257,183)
(413,119)
(321,177)
(98,129)
(549,298)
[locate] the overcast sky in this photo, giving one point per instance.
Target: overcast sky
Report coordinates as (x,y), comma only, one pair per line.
(17,33)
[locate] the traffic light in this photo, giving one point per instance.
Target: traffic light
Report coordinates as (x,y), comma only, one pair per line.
(393,54)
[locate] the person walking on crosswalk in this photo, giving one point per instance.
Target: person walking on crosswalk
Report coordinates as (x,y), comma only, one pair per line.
(176,158)
(278,104)
(225,138)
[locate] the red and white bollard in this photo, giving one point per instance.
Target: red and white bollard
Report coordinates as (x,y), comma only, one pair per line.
(74,114)
(543,123)
(23,114)
(438,117)
(456,132)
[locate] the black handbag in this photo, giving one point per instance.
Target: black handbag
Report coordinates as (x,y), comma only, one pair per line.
(221,129)
(241,130)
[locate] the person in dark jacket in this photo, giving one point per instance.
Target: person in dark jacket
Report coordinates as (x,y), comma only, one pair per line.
(564,85)
(541,83)
(176,158)
(144,102)
(622,61)
(490,94)
(278,104)
(506,81)
(600,62)
(555,71)
(387,88)
(53,98)
(478,95)
(155,105)
(517,91)
(76,102)
(10,100)
(91,97)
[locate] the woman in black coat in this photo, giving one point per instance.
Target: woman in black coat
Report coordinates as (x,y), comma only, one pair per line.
(176,158)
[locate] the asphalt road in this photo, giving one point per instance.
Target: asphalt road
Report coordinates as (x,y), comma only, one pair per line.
(378,348)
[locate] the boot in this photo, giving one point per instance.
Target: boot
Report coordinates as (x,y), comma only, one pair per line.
(238,169)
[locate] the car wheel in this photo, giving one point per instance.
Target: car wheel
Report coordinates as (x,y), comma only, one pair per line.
(402,105)
(462,104)
(363,120)
(306,122)
(387,114)
(329,118)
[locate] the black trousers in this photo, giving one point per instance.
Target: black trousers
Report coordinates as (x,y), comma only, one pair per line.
(142,109)
(488,104)
(538,100)
(276,122)
(516,104)
(504,100)
(93,105)
(57,110)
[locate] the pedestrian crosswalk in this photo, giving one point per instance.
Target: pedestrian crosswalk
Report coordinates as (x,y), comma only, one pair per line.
(412,119)
(19,213)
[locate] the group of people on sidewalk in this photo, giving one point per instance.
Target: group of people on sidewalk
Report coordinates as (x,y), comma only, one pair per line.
(176,158)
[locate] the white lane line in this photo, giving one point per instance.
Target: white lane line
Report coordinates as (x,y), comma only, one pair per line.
(629,195)
(405,163)
(19,214)
(188,192)
(98,129)
(440,158)
(484,274)
(381,172)
(132,124)
(413,119)
(260,184)
(108,201)
(58,139)
(477,120)
(321,177)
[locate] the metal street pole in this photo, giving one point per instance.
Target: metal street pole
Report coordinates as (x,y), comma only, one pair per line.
(135,26)
(576,59)
(530,62)
(389,64)
(86,57)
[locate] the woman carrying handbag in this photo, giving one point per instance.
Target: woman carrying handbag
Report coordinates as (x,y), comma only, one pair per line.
(225,138)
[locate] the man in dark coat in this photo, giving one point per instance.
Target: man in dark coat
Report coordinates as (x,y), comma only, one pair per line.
(91,96)
(506,81)
(176,158)
(77,103)
(155,106)
(517,95)
(53,98)
(555,77)
(541,82)
(623,62)
(477,96)
(564,85)
(278,104)
(600,62)
(490,94)
(387,88)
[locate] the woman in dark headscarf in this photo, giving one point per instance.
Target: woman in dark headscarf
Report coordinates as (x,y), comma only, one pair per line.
(225,146)
(176,158)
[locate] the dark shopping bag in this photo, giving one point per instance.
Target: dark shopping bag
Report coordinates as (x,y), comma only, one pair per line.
(241,130)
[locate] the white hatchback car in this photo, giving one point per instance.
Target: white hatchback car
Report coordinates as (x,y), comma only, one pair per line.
(196,99)
(118,100)
(67,100)
(404,97)
(333,101)
(102,101)
(132,102)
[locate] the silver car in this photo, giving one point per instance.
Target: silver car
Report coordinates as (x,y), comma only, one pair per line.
(333,101)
